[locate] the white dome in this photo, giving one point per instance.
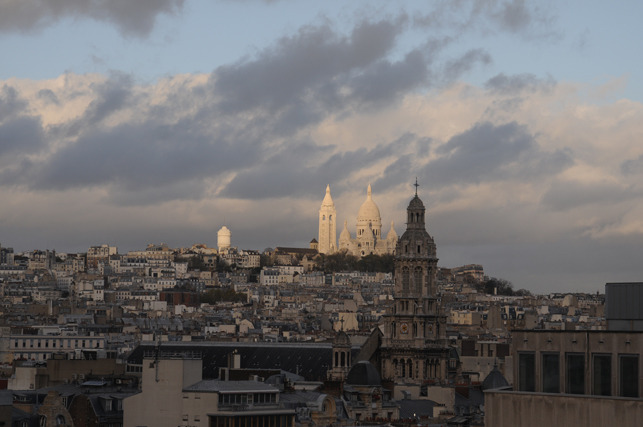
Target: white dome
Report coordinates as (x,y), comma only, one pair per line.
(223,238)
(369,212)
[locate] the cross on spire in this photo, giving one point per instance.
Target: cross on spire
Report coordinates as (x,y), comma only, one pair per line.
(416,185)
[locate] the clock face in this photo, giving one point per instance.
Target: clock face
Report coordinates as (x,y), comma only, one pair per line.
(404,328)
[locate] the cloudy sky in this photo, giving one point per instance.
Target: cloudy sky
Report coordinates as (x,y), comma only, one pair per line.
(132,122)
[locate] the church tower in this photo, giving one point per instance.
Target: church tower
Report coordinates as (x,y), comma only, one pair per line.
(414,347)
(327,242)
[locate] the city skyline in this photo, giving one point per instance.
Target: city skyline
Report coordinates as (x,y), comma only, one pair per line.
(130,124)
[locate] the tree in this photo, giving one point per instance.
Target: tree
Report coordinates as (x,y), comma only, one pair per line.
(377,263)
(495,286)
(337,262)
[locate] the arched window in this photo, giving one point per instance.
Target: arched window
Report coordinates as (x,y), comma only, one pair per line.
(343,359)
(417,278)
(405,279)
(410,368)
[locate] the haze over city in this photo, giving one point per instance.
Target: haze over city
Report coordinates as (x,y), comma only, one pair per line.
(129,123)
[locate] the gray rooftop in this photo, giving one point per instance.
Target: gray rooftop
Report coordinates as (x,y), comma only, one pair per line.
(217,386)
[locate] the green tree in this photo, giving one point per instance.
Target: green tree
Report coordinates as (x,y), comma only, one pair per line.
(377,263)
(337,262)
(495,286)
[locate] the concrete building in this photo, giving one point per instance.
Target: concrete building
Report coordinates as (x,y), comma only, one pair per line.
(562,378)
(98,254)
(43,347)
(174,393)
(624,303)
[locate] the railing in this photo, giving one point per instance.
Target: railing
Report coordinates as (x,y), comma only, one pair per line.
(151,354)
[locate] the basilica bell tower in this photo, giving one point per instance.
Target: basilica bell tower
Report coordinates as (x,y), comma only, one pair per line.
(327,242)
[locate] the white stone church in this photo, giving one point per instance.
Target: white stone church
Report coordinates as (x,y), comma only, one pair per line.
(368,239)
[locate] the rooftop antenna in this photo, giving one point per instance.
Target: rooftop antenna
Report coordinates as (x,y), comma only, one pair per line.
(416,185)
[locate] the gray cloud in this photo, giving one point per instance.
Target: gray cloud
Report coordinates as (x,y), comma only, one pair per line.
(132,18)
(386,81)
(292,171)
(251,120)
(395,173)
(512,85)
(567,195)
(112,96)
(140,156)
(514,16)
(10,103)
(21,135)
(632,166)
(48,96)
(490,152)
(298,67)
(526,19)
(455,68)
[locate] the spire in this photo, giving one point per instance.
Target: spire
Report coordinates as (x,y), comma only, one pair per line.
(392,235)
(369,192)
(416,185)
(328,200)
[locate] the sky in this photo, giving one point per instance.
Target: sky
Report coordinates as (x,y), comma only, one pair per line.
(128,123)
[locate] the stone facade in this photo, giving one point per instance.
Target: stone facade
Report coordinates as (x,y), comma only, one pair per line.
(327,225)
(368,239)
(414,349)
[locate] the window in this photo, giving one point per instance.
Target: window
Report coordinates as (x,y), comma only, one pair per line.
(417,278)
(551,373)
(602,374)
(405,279)
(629,375)
(526,372)
(575,373)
